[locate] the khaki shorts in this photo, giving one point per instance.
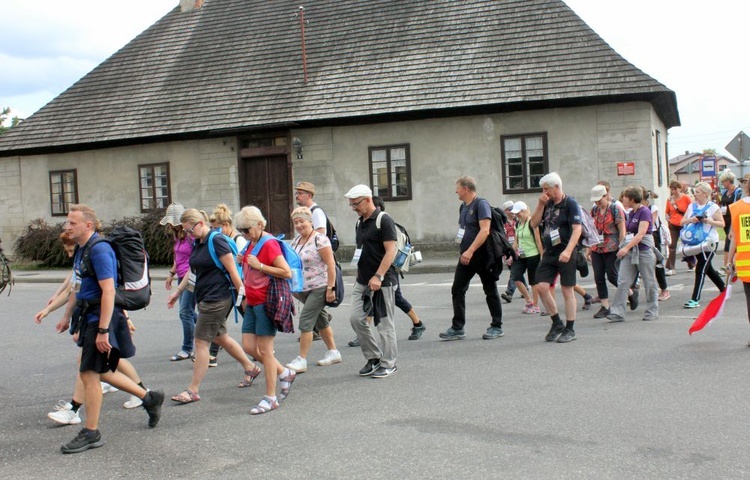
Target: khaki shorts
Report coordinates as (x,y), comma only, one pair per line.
(212,319)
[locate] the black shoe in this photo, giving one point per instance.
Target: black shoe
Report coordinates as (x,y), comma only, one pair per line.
(506,297)
(354,343)
(603,312)
(633,299)
(370,368)
(568,335)
(451,334)
(554,332)
(152,404)
(416,332)
(383,372)
(84,440)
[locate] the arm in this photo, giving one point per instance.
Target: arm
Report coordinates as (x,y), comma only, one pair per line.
(536,217)
(565,255)
(58,301)
(385,264)
(484,232)
(228,261)
(105,314)
(538,240)
(279,268)
(172,298)
(62,289)
(64,322)
(716,220)
(170,277)
(642,229)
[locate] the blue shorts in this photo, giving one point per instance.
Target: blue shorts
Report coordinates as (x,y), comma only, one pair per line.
(257,322)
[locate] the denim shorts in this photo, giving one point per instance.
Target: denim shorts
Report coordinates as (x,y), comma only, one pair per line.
(257,322)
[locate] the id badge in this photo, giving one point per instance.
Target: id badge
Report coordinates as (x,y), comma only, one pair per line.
(77,284)
(554,236)
(723,209)
(191,282)
(460,235)
(601,238)
(520,252)
(355,258)
(511,240)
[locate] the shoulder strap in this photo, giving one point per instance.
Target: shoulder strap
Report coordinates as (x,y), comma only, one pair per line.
(377,220)
(86,256)
(260,243)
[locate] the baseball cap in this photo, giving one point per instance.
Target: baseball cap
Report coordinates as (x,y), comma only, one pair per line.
(519,206)
(306,187)
(598,192)
(174,212)
(359,191)
(508,204)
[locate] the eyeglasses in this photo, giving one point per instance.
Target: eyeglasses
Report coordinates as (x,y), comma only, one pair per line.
(244,230)
(354,204)
(191,229)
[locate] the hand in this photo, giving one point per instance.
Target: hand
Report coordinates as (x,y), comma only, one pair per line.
(253,261)
(131,327)
(172,298)
(564,256)
(466,257)
(543,198)
(39,316)
(239,258)
(102,342)
(622,252)
(168,283)
(330,296)
(62,325)
(375,284)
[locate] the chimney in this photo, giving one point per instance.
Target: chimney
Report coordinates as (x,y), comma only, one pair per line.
(190,5)
(687,152)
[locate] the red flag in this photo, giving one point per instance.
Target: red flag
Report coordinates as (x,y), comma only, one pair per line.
(713,310)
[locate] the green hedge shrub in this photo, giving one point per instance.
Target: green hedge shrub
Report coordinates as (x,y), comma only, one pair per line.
(40,242)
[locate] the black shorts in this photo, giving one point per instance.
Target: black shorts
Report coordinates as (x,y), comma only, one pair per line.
(523,265)
(550,266)
(119,338)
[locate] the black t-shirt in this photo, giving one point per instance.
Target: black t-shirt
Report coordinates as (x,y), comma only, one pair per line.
(210,283)
(561,217)
(371,239)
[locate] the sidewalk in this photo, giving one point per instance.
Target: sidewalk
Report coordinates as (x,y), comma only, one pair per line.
(434,262)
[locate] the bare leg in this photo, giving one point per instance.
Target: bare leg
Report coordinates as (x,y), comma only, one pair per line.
(305,340)
(233,348)
(570,303)
(524,292)
(546,294)
(327,335)
(93,398)
(272,366)
(200,367)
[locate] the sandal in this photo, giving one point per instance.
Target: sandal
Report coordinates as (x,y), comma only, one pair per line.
(288,381)
(265,405)
(250,376)
(181,355)
(188,396)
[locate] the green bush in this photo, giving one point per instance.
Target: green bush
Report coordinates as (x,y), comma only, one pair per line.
(40,242)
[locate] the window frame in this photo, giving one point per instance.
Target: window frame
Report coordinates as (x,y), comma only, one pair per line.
(65,208)
(389,171)
(154,197)
(523,137)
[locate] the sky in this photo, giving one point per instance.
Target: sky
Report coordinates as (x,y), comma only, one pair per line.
(697,51)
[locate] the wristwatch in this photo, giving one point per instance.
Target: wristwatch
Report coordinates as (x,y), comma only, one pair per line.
(103,330)
(380,277)
(333,288)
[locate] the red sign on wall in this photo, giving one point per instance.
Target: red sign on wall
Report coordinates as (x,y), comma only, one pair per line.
(625,168)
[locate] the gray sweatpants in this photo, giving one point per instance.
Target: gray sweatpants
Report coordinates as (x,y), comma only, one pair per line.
(365,331)
(625,278)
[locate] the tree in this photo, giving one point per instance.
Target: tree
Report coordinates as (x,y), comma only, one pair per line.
(710,152)
(4,117)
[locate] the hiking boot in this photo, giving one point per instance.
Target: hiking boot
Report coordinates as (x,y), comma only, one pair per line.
(452,334)
(64,414)
(331,357)
(492,333)
(83,441)
(370,368)
(354,343)
(299,365)
(506,297)
(554,332)
(416,332)
(567,336)
(152,404)
(603,312)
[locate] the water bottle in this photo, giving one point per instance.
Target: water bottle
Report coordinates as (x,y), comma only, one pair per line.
(692,250)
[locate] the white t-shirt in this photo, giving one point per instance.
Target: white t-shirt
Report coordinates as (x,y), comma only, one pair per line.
(318,218)
(713,233)
(241,242)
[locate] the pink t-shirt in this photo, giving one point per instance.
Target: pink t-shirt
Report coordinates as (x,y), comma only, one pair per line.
(182,249)
(256,282)
(315,269)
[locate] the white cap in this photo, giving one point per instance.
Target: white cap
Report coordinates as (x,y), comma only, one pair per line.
(598,192)
(359,191)
(508,204)
(519,206)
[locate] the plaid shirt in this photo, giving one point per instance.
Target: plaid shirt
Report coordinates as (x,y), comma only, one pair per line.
(279,304)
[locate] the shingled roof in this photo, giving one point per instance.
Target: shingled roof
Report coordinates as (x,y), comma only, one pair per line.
(236,65)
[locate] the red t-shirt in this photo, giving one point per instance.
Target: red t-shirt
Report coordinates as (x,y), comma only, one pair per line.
(256,282)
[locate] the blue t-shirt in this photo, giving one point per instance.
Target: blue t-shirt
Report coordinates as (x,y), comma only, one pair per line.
(104,263)
(210,283)
(635,217)
(468,219)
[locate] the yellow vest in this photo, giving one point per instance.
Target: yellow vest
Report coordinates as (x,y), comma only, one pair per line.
(740,212)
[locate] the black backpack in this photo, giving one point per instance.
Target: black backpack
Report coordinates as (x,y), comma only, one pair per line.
(6,275)
(330,230)
(498,246)
(133,290)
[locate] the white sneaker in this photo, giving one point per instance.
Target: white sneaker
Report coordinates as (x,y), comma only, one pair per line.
(134,402)
(64,414)
(299,365)
(107,388)
(331,357)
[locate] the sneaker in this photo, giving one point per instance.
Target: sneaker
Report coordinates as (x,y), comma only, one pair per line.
(664,295)
(152,404)
(64,414)
(691,268)
(615,318)
(587,301)
(554,332)
(492,333)
(107,388)
(180,356)
(506,297)
(83,441)
(383,372)
(603,312)
(331,357)
(669,272)
(633,299)
(528,309)
(535,310)
(213,361)
(567,336)
(370,368)
(691,304)
(299,365)
(354,343)
(286,384)
(133,402)
(452,334)
(416,332)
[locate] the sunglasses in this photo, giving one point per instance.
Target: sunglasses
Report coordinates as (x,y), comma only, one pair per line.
(244,230)
(191,229)
(354,204)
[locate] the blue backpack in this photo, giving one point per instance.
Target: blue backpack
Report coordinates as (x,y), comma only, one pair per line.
(694,233)
(235,251)
(297,282)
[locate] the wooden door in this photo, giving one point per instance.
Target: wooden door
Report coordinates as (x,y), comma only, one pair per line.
(265,184)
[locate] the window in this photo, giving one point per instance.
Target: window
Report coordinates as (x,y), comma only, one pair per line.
(154,181)
(390,172)
(524,162)
(659,160)
(63,191)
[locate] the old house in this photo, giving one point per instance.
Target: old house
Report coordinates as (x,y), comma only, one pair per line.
(225,102)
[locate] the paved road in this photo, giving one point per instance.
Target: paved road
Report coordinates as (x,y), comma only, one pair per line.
(630,400)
